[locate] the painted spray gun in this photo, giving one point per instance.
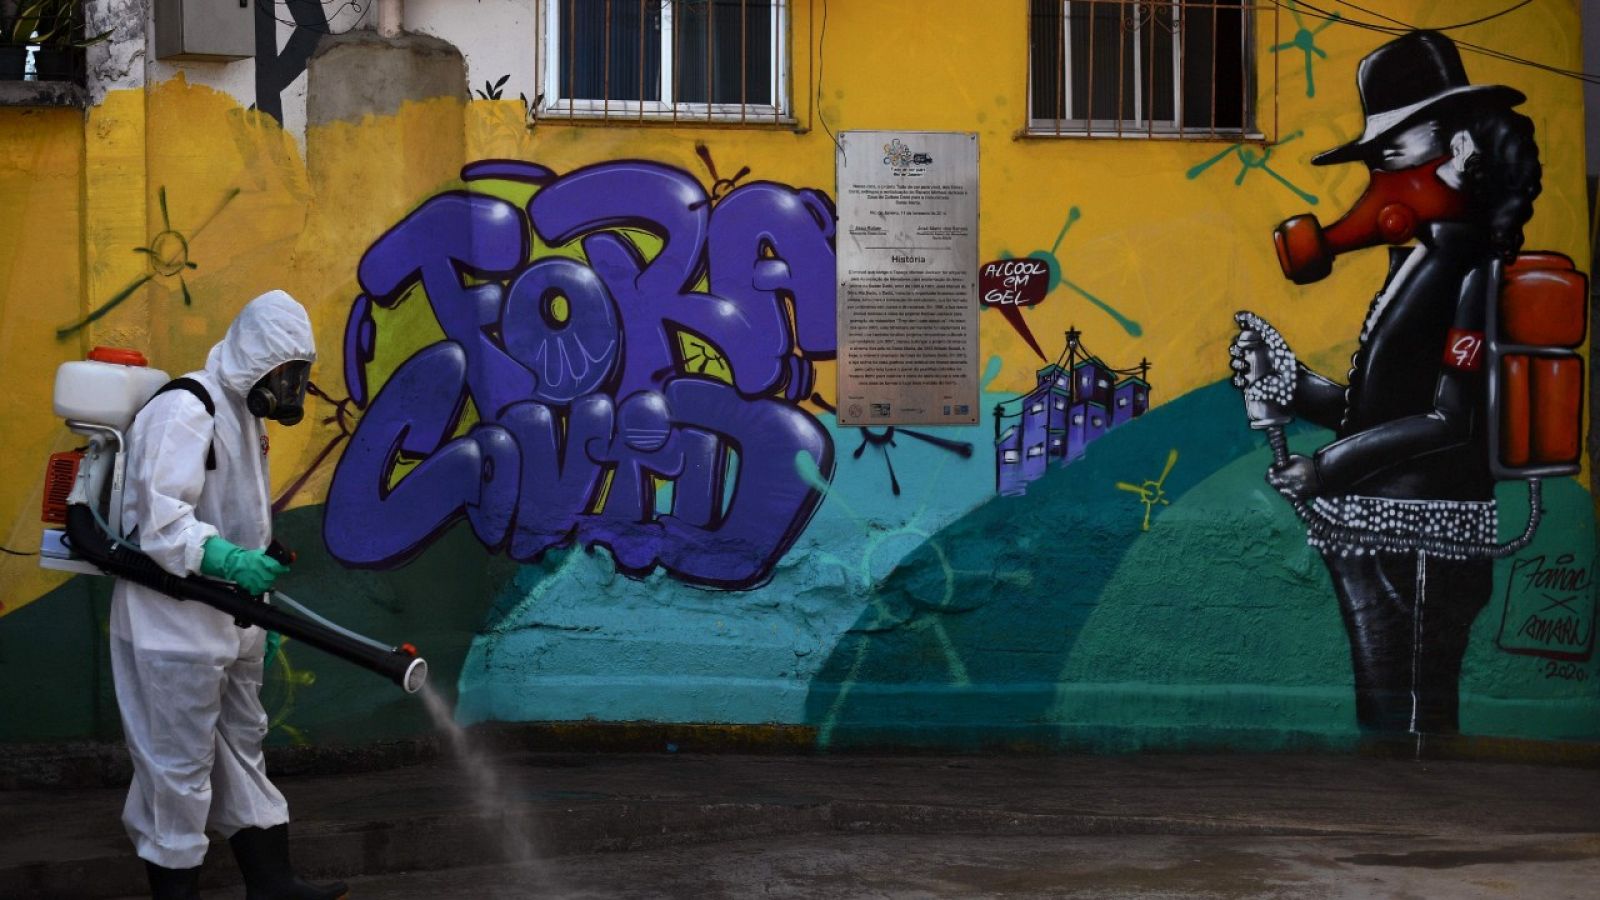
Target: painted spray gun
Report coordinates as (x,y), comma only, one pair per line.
(1265,370)
(99,398)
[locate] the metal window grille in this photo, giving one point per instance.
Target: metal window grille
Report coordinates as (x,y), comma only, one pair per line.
(1142,68)
(45,41)
(674,60)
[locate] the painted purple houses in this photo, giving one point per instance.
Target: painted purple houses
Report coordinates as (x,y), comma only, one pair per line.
(1077,399)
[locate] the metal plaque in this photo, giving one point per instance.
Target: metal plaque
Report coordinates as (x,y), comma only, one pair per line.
(908,278)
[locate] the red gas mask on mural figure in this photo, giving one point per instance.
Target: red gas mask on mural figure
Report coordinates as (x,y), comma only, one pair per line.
(1394,207)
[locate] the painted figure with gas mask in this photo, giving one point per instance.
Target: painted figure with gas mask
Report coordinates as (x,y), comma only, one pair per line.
(1454,174)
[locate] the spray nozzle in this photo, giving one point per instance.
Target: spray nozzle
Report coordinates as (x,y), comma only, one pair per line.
(416,675)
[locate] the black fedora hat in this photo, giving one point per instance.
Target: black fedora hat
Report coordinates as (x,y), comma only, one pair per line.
(1413,75)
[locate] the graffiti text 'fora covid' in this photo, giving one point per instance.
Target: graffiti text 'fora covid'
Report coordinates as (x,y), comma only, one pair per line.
(648,405)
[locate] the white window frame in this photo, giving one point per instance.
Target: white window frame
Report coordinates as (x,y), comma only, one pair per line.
(1137,127)
(662,108)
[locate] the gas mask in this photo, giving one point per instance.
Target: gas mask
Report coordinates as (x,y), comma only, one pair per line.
(280,395)
(1396,204)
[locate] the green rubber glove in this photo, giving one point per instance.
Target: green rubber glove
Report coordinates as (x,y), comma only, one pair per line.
(274,641)
(252,570)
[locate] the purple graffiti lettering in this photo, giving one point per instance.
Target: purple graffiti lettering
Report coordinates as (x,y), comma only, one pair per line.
(771,502)
(561,324)
(451,234)
(360,347)
(561,479)
(595,424)
(411,419)
(776,243)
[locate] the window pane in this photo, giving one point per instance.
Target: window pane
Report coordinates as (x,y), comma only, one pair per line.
(593,68)
(1214,79)
(1102,59)
(716,35)
(1156,34)
(1044,41)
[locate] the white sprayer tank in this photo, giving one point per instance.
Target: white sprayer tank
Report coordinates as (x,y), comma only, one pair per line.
(108,388)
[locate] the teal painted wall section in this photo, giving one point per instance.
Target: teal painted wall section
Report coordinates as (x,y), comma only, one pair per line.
(577,640)
(945,616)
(1217,627)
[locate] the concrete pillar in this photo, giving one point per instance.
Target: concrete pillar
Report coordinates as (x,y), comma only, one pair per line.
(408,96)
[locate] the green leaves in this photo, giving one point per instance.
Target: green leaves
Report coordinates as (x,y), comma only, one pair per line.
(50,23)
(493,91)
(28,20)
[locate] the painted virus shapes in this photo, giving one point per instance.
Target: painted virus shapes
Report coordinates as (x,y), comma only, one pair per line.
(1058,277)
(1305,40)
(1152,492)
(719,186)
(1253,159)
(168,255)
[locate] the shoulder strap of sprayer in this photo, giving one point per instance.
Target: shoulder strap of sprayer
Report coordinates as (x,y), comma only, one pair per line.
(204,396)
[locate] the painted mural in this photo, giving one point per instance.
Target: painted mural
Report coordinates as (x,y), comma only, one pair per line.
(1077,400)
(646,405)
(572,429)
(1439,403)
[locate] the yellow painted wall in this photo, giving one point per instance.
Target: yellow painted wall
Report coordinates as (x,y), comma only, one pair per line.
(42,269)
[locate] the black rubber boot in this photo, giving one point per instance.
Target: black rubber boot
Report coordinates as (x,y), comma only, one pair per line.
(263,855)
(173,884)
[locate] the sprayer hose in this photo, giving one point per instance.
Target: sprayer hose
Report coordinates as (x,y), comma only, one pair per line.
(89,541)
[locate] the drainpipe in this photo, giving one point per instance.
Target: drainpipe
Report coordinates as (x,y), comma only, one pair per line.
(391,18)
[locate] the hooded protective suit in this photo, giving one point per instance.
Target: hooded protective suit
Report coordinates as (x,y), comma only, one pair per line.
(187,677)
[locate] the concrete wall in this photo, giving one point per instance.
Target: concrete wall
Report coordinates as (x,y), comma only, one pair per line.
(861,586)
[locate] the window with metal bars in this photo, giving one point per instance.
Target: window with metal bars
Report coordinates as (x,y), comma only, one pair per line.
(1142,68)
(716,60)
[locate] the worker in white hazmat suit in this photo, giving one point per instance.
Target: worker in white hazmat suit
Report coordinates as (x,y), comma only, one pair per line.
(188,678)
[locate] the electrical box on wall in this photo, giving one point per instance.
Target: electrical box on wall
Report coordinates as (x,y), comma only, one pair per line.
(217,30)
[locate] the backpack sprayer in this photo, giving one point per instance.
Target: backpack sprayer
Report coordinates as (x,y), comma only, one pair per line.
(1537,318)
(99,398)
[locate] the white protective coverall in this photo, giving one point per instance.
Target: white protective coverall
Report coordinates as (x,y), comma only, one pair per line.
(188,678)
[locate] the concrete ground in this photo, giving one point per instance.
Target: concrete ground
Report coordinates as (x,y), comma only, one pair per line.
(1550,867)
(679,825)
